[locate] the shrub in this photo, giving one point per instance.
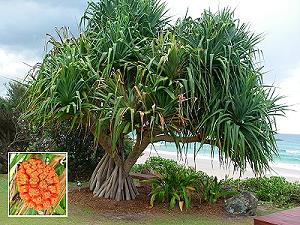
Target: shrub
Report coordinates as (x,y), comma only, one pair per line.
(175,182)
(137,168)
(161,165)
(211,189)
(174,185)
(157,164)
(276,190)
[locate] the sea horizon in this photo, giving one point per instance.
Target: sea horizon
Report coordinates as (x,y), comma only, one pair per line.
(288,146)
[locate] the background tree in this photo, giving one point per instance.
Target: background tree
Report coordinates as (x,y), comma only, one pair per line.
(83,155)
(15,135)
(9,114)
(130,72)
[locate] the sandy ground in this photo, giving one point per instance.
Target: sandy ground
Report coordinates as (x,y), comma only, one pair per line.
(213,168)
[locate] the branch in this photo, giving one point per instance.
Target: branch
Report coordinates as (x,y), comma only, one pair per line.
(142,141)
(169,138)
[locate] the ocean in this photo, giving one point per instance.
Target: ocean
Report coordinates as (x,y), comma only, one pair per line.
(288,149)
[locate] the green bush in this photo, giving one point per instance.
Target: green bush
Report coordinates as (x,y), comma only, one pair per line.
(276,190)
(176,183)
(161,165)
(156,164)
(211,189)
(138,168)
(174,186)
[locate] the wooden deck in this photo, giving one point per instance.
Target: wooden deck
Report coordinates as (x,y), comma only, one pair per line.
(285,217)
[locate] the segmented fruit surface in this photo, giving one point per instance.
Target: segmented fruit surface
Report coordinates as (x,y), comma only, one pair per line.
(38,184)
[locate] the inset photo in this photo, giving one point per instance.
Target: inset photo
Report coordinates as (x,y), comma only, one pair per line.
(37,184)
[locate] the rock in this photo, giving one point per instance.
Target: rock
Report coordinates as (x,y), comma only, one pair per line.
(244,203)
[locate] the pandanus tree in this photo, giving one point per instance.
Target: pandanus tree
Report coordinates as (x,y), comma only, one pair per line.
(132,71)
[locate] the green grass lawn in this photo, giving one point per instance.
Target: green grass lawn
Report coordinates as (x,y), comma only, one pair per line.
(84,216)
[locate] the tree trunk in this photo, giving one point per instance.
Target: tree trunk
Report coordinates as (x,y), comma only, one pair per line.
(111,181)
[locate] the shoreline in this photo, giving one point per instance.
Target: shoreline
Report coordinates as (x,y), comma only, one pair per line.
(213,168)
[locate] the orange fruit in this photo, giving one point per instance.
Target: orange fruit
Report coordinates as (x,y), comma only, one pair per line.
(38,184)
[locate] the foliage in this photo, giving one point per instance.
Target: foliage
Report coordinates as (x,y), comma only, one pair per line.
(276,190)
(15,94)
(7,127)
(137,168)
(9,112)
(157,164)
(171,173)
(174,186)
(10,129)
(175,182)
(212,189)
(273,189)
(83,155)
(132,71)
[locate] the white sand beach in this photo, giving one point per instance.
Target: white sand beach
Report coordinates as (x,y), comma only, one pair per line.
(213,168)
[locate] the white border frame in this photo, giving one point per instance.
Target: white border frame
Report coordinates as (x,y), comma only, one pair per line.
(67,190)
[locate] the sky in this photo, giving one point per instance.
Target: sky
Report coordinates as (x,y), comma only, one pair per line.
(25,23)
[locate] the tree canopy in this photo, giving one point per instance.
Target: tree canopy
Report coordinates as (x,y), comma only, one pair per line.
(132,70)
